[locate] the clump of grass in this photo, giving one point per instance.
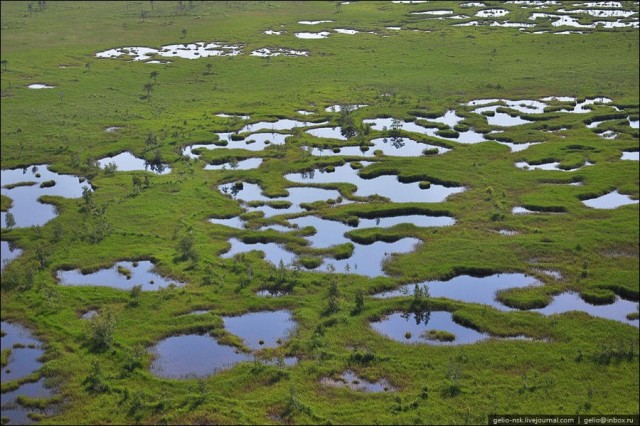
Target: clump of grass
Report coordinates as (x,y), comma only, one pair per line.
(124,271)
(598,296)
(48,183)
(438,335)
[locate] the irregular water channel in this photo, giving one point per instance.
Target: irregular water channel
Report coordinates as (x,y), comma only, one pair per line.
(123,275)
(25,350)
(469,289)
(25,186)
(386,186)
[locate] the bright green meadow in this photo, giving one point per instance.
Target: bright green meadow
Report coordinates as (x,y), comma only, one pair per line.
(100,370)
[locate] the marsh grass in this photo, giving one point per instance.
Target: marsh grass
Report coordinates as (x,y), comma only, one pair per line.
(408,75)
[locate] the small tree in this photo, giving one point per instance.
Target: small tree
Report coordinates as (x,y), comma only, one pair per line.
(87,196)
(184,32)
(209,67)
(148,87)
(154,76)
(359,302)
(4,63)
(334,298)
(101,330)
(9,220)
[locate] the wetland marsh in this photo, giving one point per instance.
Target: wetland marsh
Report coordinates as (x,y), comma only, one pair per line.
(392,212)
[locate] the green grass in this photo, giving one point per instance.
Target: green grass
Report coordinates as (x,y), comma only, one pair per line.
(574,364)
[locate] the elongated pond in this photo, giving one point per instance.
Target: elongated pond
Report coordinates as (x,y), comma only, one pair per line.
(123,275)
(408,328)
(467,288)
(386,186)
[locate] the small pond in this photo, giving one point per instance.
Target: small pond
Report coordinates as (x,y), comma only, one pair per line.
(261,329)
(253,142)
(612,200)
(123,275)
(193,356)
(21,362)
(467,137)
(297,196)
(630,155)
(250,163)
(407,328)
(367,260)
(399,147)
(352,381)
(274,253)
(330,232)
(25,186)
(126,161)
(469,289)
(282,124)
(8,252)
(327,132)
(387,186)
(570,301)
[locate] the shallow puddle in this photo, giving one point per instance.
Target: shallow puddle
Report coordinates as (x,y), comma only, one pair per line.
(185,51)
(406,328)
(616,311)
(434,12)
(311,36)
(123,275)
(517,147)
(314,22)
(126,162)
(492,13)
(630,155)
(26,209)
(387,186)
(352,381)
(548,166)
(89,314)
(8,252)
(16,413)
(269,52)
(193,356)
(261,329)
(469,289)
(40,86)
(338,108)
(25,352)
(611,200)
